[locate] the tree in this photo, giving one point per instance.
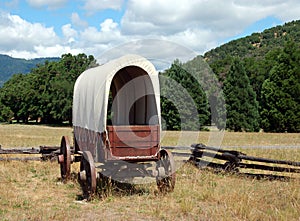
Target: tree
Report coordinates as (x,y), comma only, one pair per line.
(46,92)
(281,93)
(12,96)
(184,104)
(208,95)
(241,104)
(61,87)
(5,113)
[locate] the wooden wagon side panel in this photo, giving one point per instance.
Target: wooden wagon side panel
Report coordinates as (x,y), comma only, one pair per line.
(134,140)
(88,140)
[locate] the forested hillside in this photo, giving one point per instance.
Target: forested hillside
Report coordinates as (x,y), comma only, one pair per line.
(271,61)
(256,45)
(260,78)
(10,66)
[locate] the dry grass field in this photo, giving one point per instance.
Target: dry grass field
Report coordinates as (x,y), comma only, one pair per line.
(33,191)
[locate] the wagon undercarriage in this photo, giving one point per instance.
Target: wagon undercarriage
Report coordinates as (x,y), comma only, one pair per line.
(91,173)
(160,166)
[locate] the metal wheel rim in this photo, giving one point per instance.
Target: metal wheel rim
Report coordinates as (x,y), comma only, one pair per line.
(87,165)
(65,150)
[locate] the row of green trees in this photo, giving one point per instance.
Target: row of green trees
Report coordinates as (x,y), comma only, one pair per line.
(46,93)
(280,93)
(259,93)
(262,93)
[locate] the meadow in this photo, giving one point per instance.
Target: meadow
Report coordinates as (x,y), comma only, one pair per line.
(33,190)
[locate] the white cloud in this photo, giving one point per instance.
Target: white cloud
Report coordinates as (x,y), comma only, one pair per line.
(92,6)
(108,34)
(173,16)
(42,51)
(196,24)
(108,25)
(55,50)
(18,34)
(201,24)
(194,39)
(68,31)
(51,4)
(77,21)
(22,39)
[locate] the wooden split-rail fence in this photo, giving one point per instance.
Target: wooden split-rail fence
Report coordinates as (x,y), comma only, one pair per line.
(200,155)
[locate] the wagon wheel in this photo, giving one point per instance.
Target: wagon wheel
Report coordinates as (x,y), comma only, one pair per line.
(166,166)
(87,175)
(65,158)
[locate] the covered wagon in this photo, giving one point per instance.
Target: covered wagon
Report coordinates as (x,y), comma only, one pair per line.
(117,125)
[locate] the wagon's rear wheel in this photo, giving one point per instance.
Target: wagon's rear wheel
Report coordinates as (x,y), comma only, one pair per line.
(166,172)
(87,175)
(64,159)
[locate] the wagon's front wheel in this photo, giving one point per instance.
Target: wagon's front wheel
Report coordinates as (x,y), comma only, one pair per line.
(87,175)
(166,172)
(64,159)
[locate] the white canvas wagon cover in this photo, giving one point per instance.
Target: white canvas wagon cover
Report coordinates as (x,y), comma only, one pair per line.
(133,78)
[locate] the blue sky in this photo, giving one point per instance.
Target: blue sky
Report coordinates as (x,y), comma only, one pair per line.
(57,17)
(43,28)
(259,26)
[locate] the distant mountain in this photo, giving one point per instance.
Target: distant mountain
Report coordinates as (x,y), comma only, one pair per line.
(10,66)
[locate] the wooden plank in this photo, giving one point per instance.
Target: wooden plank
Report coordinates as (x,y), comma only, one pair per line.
(124,152)
(265,160)
(176,148)
(224,156)
(203,147)
(200,148)
(21,159)
(128,136)
(270,168)
(20,151)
